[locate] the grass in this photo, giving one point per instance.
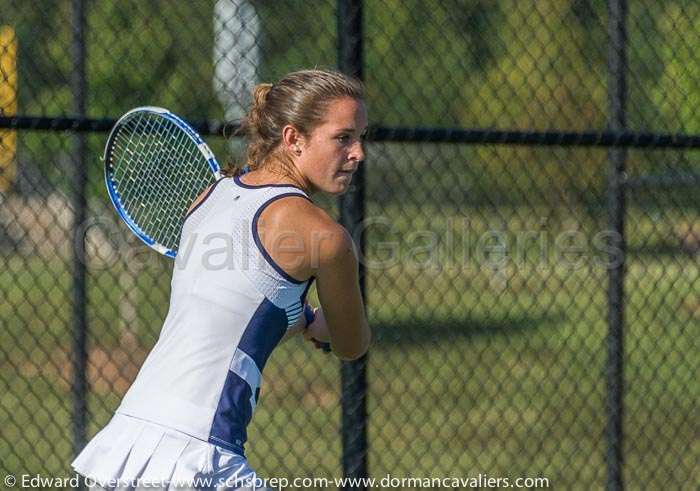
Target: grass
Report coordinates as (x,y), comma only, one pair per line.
(488,365)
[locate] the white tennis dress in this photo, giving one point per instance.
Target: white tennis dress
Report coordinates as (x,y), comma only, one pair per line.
(183,421)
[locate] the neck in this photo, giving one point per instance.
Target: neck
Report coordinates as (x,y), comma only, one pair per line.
(278,173)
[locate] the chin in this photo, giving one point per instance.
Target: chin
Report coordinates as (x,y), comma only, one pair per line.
(336,192)
(336,188)
(341,189)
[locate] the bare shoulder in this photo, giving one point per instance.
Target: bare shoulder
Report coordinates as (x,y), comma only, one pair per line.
(297,212)
(335,244)
(323,239)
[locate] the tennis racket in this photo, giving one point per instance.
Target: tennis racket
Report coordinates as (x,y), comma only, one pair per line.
(155,167)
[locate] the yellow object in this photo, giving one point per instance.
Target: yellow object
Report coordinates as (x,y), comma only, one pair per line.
(8,104)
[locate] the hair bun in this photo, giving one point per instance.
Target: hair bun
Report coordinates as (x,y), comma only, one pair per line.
(260,94)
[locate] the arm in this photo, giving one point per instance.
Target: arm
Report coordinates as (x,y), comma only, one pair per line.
(339,292)
(322,248)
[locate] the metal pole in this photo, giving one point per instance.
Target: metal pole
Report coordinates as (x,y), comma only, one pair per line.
(352,212)
(617,92)
(79,89)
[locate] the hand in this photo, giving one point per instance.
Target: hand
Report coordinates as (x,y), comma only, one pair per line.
(317,329)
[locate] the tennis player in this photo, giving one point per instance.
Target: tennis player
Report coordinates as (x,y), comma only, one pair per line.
(250,248)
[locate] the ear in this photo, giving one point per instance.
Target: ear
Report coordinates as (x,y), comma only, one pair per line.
(292,140)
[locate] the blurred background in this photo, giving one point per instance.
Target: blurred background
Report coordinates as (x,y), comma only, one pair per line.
(516,333)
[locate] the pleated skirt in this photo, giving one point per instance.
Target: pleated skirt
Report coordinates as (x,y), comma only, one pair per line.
(130,454)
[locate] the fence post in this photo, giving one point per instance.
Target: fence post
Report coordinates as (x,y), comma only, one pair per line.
(617,93)
(352,210)
(79,89)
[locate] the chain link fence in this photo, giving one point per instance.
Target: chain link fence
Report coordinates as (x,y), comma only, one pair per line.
(488,267)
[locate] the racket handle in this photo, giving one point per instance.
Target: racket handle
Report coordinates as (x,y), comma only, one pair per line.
(310,316)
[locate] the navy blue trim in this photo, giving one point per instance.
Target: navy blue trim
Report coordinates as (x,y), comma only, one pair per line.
(233,414)
(234,411)
(211,189)
(238,181)
(237,449)
(256,237)
(302,299)
(264,330)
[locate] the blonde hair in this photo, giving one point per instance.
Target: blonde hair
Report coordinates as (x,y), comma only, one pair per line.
(300,99)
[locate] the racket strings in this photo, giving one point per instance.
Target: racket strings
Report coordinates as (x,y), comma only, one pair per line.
(161,160)
(182,162)
(141,140)
(168,153)
(158,172)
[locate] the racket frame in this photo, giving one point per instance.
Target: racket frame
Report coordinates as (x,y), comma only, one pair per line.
(109,182)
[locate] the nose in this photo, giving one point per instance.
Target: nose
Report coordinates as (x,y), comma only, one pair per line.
(357,152)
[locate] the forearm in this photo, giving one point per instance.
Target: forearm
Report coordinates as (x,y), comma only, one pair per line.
(312,331)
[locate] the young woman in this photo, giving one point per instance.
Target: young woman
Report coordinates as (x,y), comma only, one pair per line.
(250,248)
